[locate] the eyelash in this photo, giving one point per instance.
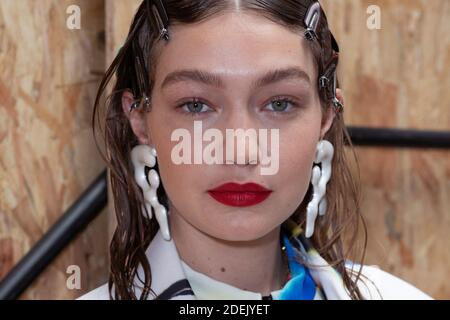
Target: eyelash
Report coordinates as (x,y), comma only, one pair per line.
(192,100)
(201,101)
(294,103)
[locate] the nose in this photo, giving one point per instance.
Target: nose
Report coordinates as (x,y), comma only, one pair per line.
(241,137)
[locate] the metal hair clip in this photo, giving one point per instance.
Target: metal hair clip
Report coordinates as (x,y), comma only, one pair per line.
(324,80)
(312,19)
(328,76)
(140,102)
(337,104)
(160,18)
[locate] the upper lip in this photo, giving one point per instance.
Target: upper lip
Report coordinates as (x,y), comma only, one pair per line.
(236,187)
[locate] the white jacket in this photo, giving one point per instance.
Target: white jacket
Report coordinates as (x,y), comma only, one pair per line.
(169,279)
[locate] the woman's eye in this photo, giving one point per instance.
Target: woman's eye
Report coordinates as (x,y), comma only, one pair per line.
(281,105)
(195,106)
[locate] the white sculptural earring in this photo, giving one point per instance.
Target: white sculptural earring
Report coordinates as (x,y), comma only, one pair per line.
(319,179)
(145,156)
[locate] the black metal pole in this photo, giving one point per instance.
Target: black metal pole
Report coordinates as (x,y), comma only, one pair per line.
(74,220)
(387,137)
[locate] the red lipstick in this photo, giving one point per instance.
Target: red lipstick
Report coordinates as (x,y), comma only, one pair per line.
(240,195)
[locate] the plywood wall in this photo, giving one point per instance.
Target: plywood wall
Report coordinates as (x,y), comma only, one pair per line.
(48,78)
(396,76)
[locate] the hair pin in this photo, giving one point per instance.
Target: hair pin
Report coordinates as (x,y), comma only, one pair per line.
(311,21)
(338,106)
(330,78)
(324,80)
(139,102)
(160,19)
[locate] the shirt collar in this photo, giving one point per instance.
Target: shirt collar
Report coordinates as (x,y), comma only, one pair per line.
(207,288)
(300,286)
(169,274)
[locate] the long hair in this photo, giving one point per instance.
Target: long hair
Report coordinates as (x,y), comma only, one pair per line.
(336,233)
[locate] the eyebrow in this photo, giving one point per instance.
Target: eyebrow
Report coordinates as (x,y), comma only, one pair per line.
(212,79)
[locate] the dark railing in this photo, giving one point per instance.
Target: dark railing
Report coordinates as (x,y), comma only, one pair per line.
(94,199)
(383,137)
(73,221)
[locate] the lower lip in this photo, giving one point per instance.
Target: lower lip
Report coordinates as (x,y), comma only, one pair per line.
(240,199)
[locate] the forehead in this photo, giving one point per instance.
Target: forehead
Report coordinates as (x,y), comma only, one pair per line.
(236,45)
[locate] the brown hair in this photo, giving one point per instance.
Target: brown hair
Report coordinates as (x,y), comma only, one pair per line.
(133,68)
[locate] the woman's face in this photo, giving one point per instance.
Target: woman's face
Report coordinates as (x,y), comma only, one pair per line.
(241,51)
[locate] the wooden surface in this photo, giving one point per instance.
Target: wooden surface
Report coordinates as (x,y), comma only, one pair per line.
(396,77)
(48,78)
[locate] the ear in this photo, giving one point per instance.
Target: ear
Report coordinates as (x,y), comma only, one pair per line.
(328,118)
(136,117)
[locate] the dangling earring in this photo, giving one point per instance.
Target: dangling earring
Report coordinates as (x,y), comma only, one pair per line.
(145,156)
(319,179)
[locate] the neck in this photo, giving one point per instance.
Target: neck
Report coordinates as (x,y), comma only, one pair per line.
(229,261)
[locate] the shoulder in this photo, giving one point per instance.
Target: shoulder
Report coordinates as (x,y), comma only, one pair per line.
(100,293)
(376,284)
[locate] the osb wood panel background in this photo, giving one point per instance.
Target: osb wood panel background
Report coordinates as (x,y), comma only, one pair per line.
(398,77)
(394,77)
(48,78)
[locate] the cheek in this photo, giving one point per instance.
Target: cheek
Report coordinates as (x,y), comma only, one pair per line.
(296,160)
(297,155)
(179,182)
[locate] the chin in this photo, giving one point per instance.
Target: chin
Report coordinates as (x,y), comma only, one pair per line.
(239,230)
